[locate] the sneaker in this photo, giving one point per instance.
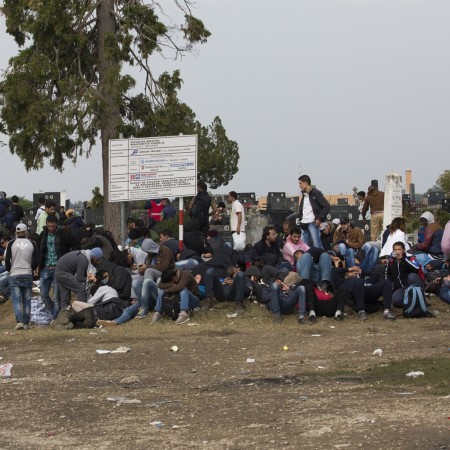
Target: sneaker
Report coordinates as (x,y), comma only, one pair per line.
(142,313)
(313,318)
(362,315)
(68,326)
(183,317)
(388,316)
(304,321)
(19,326)
(26,327)
(63,317)
(240,306)
(339,317)
(106,323)
(156,317)
(277,319)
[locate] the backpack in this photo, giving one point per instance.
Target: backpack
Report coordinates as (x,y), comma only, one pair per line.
(414,302)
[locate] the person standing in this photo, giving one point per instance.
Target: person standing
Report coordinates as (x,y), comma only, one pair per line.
(237,217)
(313,210)
(21,259)
(375,201)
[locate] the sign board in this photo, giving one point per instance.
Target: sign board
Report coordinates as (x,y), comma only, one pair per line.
(143,168)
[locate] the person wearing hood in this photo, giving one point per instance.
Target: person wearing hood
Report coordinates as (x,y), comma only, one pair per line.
(73,271)
(375,201)
(430,248)
(160,258)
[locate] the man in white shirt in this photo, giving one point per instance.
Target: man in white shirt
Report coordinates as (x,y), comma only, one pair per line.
(237,217)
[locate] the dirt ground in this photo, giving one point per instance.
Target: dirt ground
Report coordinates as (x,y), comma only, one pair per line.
(326,390)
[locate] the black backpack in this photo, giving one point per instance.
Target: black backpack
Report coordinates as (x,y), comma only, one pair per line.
(198,211)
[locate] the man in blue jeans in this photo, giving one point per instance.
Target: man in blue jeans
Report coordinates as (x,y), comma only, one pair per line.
(21,259)
(315,265)
(233,288)
(313,210)
(173,283)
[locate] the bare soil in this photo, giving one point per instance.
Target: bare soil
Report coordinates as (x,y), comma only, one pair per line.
(326,390)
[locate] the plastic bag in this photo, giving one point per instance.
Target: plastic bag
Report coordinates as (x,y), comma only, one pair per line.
(238,241)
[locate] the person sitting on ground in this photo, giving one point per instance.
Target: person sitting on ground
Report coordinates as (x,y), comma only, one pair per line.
(315,264)
(232,288)
(397,233)
(430,249)
(293,243)
(326,237)
(347,241)
(179,284)
(402,272)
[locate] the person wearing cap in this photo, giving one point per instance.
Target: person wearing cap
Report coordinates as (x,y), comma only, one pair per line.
(54,242)
(347,240)
(160,258)
(74,222)
(313,210)
(375,201)
(326,236)
(73,271)
(21,259)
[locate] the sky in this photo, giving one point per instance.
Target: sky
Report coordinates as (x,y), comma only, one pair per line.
(345,91)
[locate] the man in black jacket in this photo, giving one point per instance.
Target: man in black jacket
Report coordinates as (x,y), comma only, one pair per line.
(54,242)
(313,211)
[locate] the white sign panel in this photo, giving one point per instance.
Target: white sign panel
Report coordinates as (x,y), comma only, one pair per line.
(144,168)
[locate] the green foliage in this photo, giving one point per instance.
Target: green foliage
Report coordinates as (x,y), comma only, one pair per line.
(97,198)
(59,92)
(218,156)
(443,182)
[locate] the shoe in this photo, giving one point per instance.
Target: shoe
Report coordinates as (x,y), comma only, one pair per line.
(63,317)
(183,317)
(142,313)
(36,290)
(240,306)
(325,286)
(106,323)
(277,319)
(26,327)
(206,304)
(304,321)
(156,317)
(68,326)
(388,316)
(313,318)
(3,298)
(19,326)
(362,315)
(339,317)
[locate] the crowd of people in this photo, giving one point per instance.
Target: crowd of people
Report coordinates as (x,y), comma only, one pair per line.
(306,266)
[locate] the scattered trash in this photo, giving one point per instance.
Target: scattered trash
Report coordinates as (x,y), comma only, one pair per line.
(70,340)
(157,424)
(117,350)
(5,370)
(40,360)
(321,367)
(317,432)
(250,360)
(331,326)
(303,397)
(415,374)
(174,348)
(120,400)
(404,393)
(285,347)
(51,433)
(316,335)
(377,352)
(192,324)
(232,316)
(92,332)
(217,363)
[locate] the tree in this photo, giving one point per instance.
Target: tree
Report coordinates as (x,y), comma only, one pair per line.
(66,85)
(98,199)
(443,182)
(218,156)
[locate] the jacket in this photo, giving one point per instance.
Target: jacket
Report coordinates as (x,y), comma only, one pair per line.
(353,237)
(164,260)
(63,243)
(374,200)
(183,279)
(397,271)
(319,204)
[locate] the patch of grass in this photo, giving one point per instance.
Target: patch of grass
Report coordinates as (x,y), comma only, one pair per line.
(435,378)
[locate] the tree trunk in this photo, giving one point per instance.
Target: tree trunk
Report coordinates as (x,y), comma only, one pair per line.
(109,68)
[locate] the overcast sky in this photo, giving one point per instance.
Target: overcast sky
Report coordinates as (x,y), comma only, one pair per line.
(345,91)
